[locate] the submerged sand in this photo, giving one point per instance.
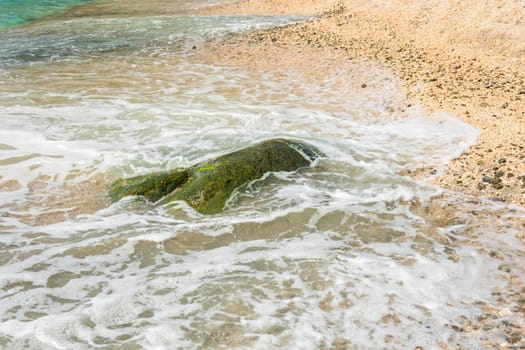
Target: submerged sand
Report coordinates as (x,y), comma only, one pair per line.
(466,58)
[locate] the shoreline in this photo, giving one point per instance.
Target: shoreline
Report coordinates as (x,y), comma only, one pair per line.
(467,80)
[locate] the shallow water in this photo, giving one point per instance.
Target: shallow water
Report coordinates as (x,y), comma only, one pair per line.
(16,12)
(348,253)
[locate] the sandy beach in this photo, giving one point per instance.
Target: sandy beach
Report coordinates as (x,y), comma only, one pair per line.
(466,59)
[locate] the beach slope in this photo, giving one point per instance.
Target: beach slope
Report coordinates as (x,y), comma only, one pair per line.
(465,58)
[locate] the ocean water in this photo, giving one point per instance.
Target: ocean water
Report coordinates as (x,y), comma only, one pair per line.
(348,253)
(15,12)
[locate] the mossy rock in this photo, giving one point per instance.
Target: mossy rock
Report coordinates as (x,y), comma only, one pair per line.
(206,186)
(152,186)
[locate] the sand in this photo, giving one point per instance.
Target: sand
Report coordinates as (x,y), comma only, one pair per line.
(466,58)
(272,7)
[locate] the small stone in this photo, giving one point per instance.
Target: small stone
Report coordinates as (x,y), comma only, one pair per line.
(496,255)
(495,181)
(487,179)
(364,86)
(457,328)
(509,175)
(514,338)
(499,173)
(452,255)
(433,172)
(502,161)
(498,186)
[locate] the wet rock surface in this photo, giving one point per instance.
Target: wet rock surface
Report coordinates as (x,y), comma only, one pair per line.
(206,186)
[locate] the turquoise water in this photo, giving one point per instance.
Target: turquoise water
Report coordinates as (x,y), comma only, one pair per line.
(348,253)
(15,12)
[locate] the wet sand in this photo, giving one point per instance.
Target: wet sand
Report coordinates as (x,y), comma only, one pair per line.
(467,59)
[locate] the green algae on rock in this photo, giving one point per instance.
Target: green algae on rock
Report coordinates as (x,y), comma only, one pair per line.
(206,186)
(152,186)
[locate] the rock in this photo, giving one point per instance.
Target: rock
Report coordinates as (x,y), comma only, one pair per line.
(206,186)
(496,180)
(498,186)
(452,255)
(497,183)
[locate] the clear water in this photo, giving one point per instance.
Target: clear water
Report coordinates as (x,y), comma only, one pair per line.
(348,253)
(15,12)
